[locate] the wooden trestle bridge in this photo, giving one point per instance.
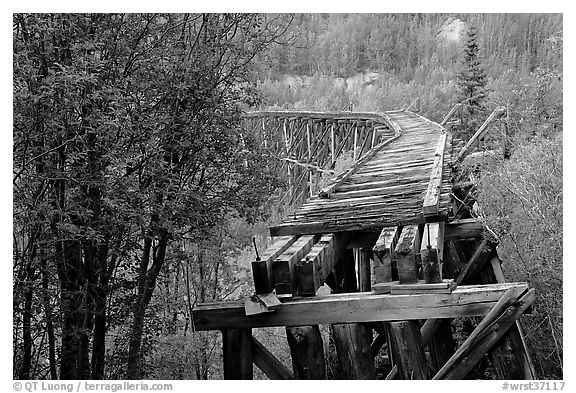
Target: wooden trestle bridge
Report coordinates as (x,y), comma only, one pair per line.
(394,237)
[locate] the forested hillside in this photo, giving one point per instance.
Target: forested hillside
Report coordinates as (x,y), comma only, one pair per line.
(137,190)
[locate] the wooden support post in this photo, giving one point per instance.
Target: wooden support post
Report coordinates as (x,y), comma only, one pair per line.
(307,352)
(353,348)
(364,278)
(404,254)
(409,350)
(332,144)
(442,345)
(268,363)
(237,347)
(353,340)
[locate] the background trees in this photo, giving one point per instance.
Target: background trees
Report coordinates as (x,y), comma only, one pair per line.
(127,138)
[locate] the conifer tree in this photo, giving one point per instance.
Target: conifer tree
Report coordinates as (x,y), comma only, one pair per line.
(472,78)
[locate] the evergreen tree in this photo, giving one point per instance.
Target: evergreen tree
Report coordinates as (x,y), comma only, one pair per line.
(472,79)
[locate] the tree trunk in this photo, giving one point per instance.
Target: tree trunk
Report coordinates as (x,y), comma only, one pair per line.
(146,284)
(49,324)
(71,302)
(100,294)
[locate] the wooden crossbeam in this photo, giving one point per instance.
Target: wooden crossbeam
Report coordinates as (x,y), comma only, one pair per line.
(268,363)
(432,197)
(494,325)
(283,266)
(262,269)
(465,301)
(468,228)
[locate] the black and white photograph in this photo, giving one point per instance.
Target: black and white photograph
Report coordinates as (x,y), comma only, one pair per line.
(286,196)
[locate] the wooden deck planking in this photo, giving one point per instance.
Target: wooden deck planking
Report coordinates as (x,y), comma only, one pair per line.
(387,190)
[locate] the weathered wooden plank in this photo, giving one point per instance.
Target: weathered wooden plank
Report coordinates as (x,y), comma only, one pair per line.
(237,353)
(432,197)
(283,266)
(496,323)
(262,269)
(268,363)
(307,352)
(355,307)
(357,224)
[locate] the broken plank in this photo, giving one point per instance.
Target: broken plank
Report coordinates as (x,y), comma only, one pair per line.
(253,306)
(432,197)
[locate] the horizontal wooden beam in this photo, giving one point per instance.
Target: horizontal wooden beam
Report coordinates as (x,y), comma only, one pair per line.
(465,301)
(338,226)
(468,228)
